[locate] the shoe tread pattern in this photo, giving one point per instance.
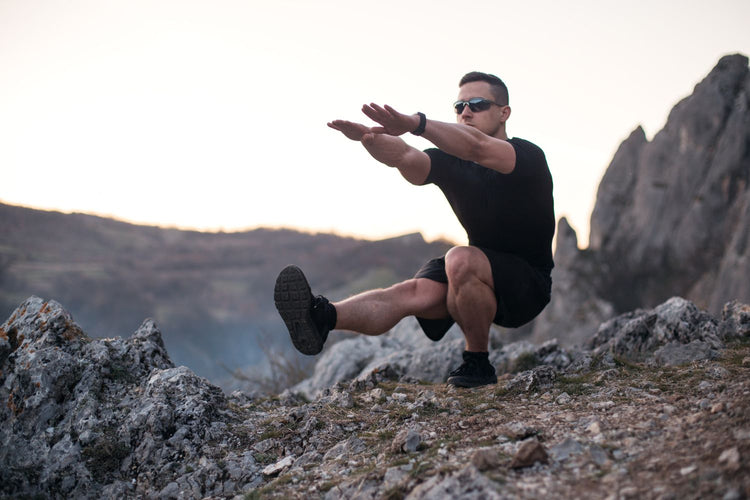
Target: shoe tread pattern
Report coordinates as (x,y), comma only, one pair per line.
(293,300)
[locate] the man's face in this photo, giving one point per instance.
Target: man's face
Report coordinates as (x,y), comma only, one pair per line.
(489,121)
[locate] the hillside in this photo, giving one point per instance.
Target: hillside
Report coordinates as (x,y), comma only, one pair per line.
(630,417)
(211,292)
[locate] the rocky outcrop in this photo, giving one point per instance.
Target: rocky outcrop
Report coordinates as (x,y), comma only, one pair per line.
(108,418)
(672,216)
(114,418)
(673,333)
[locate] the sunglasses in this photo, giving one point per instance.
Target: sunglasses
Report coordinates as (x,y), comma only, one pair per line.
(475,104)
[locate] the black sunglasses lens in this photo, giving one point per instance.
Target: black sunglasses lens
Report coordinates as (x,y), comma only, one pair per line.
(475,104)
(479,105)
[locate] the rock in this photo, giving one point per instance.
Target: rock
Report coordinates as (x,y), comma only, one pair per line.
(735,320)
(406,441)
(278,467)
(563,399)
(393,476)
(686,471)
(485,459)
(565,449)
(677,330)
(599,456)
(468,484)
(529,453)
(519,431)
(105,416)
(523,356)
(538,378)
(403,352)
(676,354)
(574,313)
(594,427)
(730,458)
(717,372)
(345,448)
(672,217)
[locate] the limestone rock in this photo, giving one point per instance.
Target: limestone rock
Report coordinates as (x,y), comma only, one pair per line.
(485,459)
(468,484)
(680,331)
(574,313)
(406,441)
(529,453)
(404,352)
(531,380)
(735,320)
(672,217)
(107,417)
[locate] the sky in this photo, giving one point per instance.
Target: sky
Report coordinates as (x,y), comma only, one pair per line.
(212,115)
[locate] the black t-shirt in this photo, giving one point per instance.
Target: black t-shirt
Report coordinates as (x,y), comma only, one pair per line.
(511,213)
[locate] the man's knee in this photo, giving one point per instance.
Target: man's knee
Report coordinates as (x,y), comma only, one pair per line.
(464,263)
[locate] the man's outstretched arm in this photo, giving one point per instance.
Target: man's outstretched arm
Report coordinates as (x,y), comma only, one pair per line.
(456,139)
(413,164)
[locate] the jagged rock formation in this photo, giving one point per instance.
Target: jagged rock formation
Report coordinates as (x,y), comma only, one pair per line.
(108,418)
(114,418)
(672,216)
(674,333)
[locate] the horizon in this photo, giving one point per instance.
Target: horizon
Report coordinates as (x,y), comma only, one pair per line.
(211,117)
(220,230)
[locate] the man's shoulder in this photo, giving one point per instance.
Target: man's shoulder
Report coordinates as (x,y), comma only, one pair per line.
(517,142)
(527,151)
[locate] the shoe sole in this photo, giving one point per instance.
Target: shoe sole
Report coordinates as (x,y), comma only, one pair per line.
(293,300)
(460,381)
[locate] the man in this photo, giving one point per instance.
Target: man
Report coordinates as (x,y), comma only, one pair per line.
(501,191)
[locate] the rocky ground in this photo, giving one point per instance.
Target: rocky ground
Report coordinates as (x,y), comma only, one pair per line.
(623,432)
(114,418)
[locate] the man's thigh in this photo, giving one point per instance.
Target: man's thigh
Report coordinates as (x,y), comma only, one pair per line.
(521,290)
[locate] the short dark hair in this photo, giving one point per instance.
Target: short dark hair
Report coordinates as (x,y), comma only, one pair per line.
(499,90)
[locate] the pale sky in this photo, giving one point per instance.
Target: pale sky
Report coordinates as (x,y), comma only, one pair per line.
(212,114)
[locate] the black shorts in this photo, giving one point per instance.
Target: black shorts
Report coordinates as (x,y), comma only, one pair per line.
(521,291)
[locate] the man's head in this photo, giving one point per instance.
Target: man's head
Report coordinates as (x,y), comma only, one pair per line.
(497,86)
(483,103)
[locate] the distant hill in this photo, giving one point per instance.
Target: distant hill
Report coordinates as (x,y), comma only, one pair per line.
(210,293)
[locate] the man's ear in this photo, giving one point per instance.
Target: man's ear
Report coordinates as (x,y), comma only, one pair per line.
(506,113)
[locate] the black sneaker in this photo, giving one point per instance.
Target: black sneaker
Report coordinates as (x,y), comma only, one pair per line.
(475,371)
(303,314)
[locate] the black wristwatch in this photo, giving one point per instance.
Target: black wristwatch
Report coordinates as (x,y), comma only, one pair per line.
(422,122)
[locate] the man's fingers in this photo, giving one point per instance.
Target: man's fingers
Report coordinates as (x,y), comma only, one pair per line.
(392,111)
(338,124)
(372,113)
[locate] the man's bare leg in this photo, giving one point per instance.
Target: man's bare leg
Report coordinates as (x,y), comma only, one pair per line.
(471,297)
(377,311)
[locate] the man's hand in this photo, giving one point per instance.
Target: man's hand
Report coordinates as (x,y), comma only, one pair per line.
(380,142)
(353,131)
(391,121)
